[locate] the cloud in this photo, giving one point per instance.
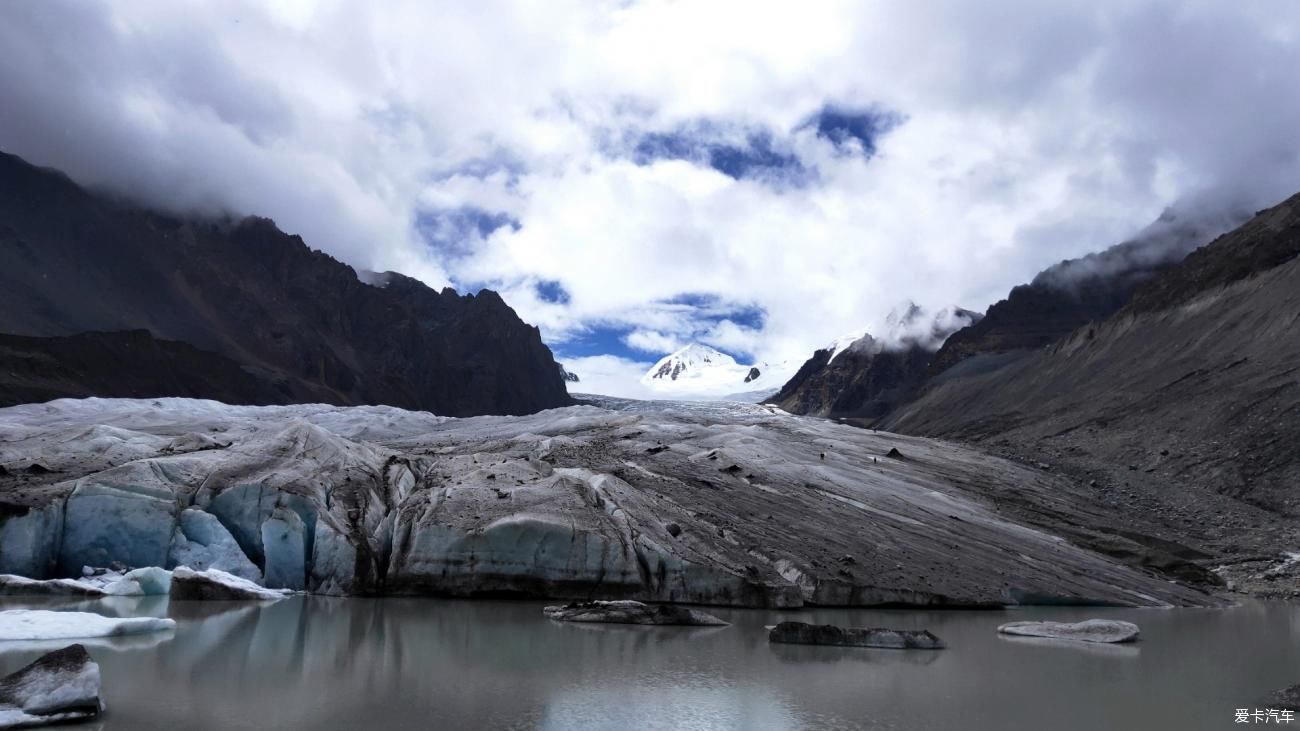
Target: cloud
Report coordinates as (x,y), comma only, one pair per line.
(761,181)
(652,341)
(609,375)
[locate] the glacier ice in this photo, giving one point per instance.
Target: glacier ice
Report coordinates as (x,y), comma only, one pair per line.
(666,501)
(125,515)
(29,543)
(146,581)
(202,542)
(284,542)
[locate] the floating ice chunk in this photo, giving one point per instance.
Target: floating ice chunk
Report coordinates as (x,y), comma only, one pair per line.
(59,687)
(12,585)
(1091,630)
(147,581)
(215,584)
(43,624)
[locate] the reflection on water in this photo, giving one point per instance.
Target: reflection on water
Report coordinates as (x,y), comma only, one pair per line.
(315,662)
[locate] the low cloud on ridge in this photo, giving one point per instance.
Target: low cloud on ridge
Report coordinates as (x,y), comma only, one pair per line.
(472,144)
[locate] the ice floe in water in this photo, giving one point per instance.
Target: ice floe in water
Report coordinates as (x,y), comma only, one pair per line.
(45,624)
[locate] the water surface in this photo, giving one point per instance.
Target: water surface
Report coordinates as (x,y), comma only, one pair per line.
(318,663)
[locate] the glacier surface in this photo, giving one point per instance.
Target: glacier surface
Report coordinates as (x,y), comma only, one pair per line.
(712,503)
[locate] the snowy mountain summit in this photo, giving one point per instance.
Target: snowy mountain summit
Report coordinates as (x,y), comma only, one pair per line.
(907,326)
(698,371)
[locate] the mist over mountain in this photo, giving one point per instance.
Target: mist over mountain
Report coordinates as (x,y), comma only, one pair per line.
(861,375)
(1070,294)
(1191,383)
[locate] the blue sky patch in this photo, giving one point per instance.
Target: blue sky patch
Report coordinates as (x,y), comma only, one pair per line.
(455,231)
(702,311)
(740,154)
(843,126)
(549,290)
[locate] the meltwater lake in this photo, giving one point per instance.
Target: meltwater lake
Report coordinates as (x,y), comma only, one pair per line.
(313,662)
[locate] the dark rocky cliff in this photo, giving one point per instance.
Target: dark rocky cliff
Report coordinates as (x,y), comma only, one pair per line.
(856,384)
(869,377)
(72,261)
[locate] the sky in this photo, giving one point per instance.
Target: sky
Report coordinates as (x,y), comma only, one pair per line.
(634,176)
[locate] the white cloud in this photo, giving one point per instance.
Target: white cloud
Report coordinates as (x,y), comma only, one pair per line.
(1033,132)
(609,375)
(652,341)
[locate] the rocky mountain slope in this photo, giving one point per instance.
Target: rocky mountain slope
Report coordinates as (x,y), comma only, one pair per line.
(865,376)
(728,504)
(128,364)
(1075,292)
(72,261)
(1184,406)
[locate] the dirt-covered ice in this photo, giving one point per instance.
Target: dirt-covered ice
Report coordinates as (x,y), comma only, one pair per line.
(731,504)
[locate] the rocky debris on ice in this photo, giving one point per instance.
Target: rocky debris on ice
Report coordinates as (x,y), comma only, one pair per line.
(44,624)
(13,585)
(147,581)
(217,585)
(59,687)
(1091,630)
(801,633)
(663,502)
(631,612)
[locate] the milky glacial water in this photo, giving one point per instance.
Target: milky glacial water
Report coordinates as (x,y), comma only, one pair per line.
(321,663)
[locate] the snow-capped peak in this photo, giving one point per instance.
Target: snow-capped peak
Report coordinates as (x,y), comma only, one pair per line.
(907,325)
(698,371)
(690,362)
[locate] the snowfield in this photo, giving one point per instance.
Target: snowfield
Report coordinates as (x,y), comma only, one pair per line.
(712,503)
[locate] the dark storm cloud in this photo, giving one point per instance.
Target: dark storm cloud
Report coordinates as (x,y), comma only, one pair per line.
(79,93)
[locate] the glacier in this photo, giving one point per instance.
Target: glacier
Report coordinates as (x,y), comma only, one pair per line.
(710,503)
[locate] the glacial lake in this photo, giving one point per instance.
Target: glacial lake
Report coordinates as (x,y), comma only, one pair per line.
(382,664)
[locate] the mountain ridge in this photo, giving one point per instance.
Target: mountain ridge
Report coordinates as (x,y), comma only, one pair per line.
(863,376)
(72,261)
